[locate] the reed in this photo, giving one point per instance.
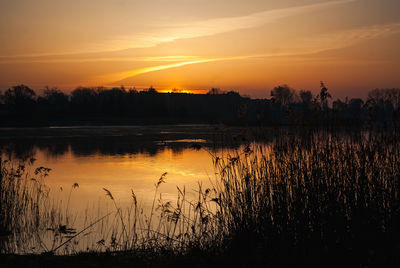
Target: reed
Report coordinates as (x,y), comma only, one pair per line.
(314,195)
(308,196)
(303,197)
(27,212)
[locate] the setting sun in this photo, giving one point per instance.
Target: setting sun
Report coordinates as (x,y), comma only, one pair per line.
(177,90)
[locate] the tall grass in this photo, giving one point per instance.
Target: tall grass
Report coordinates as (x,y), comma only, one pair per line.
(27,213)
(313,195)
(302,197)
(306,196)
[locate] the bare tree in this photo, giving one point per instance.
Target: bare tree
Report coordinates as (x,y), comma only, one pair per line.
(215,91)
(306,96)
(324,96)
(283,95)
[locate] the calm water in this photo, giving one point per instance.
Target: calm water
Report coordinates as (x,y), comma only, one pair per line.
(116,158)
(119,173)
(120,159)
(123,160)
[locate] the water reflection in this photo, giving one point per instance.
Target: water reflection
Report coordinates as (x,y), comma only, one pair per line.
(120,160)
(86,141)
(119,165)
(299,186)
(117,159)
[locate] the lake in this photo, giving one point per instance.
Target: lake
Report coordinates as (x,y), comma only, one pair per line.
(176,187)
(86,160)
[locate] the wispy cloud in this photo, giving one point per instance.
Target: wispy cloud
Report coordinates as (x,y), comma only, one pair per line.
(164,33)
(307,46)
(169,33)
(82,59)
(345,38)
(115,77)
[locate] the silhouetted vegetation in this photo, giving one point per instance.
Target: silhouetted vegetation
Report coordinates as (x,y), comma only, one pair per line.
(297,197)
(309,198)
(20,106)
(26,210)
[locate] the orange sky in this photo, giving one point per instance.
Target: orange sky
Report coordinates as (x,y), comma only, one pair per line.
(248,46)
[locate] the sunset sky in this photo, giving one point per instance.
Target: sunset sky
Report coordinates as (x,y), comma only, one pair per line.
(248,46)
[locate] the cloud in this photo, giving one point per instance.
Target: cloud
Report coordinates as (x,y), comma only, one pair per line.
(170,33)
(335,40)
(82,59)
(345,38)
(163,33)
(116,77)
(302,47)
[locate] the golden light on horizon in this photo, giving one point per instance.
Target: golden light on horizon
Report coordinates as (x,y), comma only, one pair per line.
(181,90)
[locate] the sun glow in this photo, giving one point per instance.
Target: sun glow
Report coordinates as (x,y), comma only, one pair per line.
(182,90)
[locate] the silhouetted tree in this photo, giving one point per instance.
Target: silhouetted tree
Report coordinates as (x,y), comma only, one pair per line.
(356,104)
(151,89)
(111,100)
(324,96)
(19,106)
(283,95)
(232,94)
(306,97)
(380,96)
(19,95)
(355,109)
(215,91)
(304,114)
(339,106)
(84,99)
(53,96)
(20,100)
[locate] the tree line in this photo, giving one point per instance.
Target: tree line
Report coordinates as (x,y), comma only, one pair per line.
(21,106)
